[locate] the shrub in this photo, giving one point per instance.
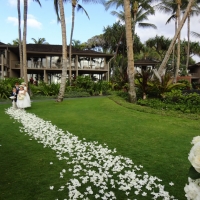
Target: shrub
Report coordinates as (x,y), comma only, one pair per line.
(5,90)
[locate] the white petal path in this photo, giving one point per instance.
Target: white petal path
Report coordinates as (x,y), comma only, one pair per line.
(93,164)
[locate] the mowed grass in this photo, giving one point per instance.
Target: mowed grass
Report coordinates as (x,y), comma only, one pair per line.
(160,143)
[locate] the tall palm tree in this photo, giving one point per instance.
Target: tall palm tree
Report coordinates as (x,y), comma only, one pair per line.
(178,12)
(164,62)
(24,40)
(130,55)
(195,10)
(19,40)
(59,7)
(140,10)
(174,6)
(79,7)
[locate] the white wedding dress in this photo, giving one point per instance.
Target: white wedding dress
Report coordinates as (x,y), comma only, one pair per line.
(24,102)
(27,101)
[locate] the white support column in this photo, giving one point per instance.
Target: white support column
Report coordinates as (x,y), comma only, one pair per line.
(2,65)
(45,76)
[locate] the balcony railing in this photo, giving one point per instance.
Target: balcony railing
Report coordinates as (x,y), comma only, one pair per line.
(39,65)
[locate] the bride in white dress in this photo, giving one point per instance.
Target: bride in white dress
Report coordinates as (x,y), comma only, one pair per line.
(23,98)
(27,97)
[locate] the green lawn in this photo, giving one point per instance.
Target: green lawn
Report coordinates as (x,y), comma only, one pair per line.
(160,143)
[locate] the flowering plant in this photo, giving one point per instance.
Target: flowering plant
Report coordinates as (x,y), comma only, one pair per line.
(20,96)
(192,190)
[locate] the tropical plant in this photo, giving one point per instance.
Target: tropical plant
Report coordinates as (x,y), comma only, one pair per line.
(142,82)
(160,44)
(40,41)
(165,85)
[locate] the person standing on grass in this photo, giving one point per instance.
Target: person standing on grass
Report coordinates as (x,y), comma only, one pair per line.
(17,87)
(21,100)
(27,97)
(14,97)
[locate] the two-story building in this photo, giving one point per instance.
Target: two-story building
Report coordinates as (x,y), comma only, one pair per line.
(45,61)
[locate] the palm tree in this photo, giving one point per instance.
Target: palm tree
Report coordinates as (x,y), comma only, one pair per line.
(140,10)
(19,40)
(160,44)
(130,55)
(195,10)
(40,41)
(178,12)
(24,40)
(174,8)
(164,62)
(195,34)
(59,7)
(74,4)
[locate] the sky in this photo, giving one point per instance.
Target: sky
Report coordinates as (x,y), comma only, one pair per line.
(42,23)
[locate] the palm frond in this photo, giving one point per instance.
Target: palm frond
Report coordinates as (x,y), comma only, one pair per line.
(147,25)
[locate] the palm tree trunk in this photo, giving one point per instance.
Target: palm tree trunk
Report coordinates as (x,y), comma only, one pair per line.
(135,10)
(20,41)
(64,53)
(167,55)
(178,43)
(188,46)
(173,51)
(130,54)
(71,37)
(24,42)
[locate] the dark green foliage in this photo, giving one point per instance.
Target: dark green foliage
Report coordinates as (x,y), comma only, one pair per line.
(123,94)
(187,85)
(193,174)
(142,82)
(72,94)
(5,90)
(45,89)
(94,88)
(175,100)
(166,85)
(83,82)
(6,86)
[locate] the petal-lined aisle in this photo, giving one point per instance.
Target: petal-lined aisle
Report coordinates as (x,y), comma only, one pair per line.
(98,169)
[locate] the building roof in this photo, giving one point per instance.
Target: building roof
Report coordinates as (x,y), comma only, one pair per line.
(42,50)
(194,65)
(145,62)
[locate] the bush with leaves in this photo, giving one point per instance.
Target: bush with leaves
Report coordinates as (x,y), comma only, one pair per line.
(83,82)
(187,85)
(165,85)
(45,89)
(5,90)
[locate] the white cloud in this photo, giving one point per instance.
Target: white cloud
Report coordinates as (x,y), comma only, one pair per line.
(31,21)
(12,2)
(53,21)
(167,30)
(13,20)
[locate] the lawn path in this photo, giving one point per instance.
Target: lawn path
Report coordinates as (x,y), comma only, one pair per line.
(98,172)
